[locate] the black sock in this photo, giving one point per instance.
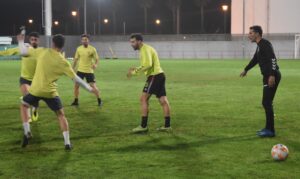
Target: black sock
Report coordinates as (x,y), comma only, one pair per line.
(167,121)
(99,101)
(144,121)
(76,100)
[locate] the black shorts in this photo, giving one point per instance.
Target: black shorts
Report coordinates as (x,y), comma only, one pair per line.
(53,103)
(156,85)
(90,77)
(24,81)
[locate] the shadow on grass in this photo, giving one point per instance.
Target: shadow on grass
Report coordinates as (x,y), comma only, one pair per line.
(156,144)
(59,167)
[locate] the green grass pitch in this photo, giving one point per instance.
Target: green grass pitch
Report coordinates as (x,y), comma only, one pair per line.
(215,115)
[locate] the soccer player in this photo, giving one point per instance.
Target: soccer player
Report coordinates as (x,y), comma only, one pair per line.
(50,66)
(155,83)
(28,64)
(88,62)
(265,57)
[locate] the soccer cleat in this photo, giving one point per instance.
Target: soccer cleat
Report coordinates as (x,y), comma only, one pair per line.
(26,139)
(266,133)
(164,129)
(35,115)
(262,130)
(140,129)
(68,147)
(75,103)
(100,103)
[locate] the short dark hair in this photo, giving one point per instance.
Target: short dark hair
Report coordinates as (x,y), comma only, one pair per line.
(257,29)
(138,37)
(34,34)
(85,35)
(58,40)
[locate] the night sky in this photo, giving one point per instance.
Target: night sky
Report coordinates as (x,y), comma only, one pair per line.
(14,13)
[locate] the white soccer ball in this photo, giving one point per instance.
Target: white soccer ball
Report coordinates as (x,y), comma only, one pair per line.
(279,152)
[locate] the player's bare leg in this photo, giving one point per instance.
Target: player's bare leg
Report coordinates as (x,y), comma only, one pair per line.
(24,88)
(97,94)
(144,102)
(166,109)
(76,94)
(26,126)
(64,126)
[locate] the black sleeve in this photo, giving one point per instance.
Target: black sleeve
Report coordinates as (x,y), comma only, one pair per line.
(268,56)
(253,62)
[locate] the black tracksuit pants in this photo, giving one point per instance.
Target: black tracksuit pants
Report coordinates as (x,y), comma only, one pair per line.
(267,100)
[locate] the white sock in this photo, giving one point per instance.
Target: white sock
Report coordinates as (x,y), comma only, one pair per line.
(29,113)
(66,137)
(26,127)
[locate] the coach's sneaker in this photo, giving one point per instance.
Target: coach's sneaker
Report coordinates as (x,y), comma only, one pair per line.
(68,147)
(35,115)
(26,139)
(75,103)
(262,130)
(164,129)
(140,129)
(266,133)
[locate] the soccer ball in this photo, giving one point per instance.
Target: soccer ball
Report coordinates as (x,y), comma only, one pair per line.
(279,152)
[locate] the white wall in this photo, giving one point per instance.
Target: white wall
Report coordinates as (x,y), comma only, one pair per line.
(284,49)
(275,16)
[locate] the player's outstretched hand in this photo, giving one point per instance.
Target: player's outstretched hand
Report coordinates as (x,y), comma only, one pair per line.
(129,74)
(243,74)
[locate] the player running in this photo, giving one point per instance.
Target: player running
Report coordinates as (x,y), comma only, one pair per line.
(28,64)
(51,65)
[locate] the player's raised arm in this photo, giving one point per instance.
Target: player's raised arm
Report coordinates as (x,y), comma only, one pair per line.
(24,49)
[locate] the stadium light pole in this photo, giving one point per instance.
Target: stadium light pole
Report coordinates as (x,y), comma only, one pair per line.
(47,18)
(225,9)
(158,23)
(244,15)
(124,28)
(85,29)
(105,22)
(75,14)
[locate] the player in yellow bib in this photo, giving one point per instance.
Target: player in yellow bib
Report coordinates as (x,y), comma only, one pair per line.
(87,58)
(155,83)
(51,65)
(28,65)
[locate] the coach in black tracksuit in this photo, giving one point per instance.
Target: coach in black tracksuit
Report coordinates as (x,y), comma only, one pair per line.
(265,57)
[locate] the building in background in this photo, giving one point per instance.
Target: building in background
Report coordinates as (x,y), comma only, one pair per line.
(275,16)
